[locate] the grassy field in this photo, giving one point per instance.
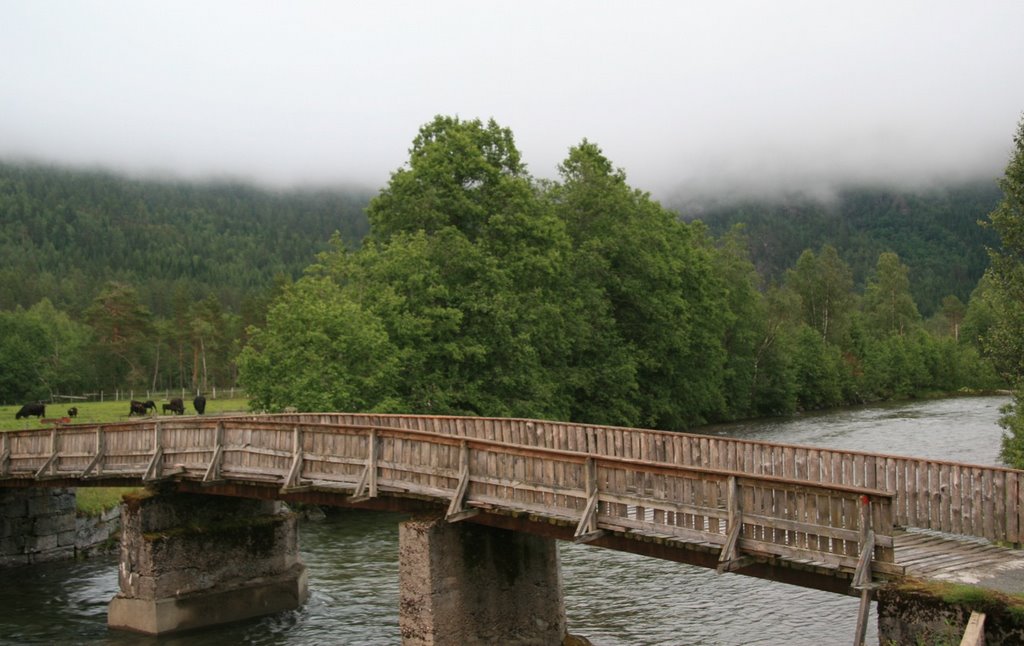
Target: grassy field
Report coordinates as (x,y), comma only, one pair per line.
(108,411)
(93,500)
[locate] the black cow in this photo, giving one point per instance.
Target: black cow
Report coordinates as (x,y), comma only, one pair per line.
(137,408)
(149,405)
(73,411)
(176,406)
(27,410)
(200,404)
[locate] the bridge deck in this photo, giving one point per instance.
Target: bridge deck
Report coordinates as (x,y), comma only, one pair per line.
(930,555)
(806,515)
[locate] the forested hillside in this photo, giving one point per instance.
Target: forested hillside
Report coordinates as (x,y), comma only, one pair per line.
(64,233)
(480,289)
(935,232)
(113,283)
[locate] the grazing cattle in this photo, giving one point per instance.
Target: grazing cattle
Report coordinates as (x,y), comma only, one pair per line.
(137,408)
(73,411)
(28,410)
(176,406)
(149,405)
(200,404)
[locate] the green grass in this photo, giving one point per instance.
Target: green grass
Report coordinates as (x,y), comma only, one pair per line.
(968,596)
(108,411)
(92,501)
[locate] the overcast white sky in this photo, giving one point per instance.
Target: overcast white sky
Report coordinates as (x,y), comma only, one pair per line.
(682,95)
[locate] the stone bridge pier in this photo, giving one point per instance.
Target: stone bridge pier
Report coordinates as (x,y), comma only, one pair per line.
(189,561)
(465,583)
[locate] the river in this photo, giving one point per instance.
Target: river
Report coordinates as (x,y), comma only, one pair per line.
(611,598)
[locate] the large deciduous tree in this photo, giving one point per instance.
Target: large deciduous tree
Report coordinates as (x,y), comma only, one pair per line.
(500,295)
(663,305)
(888,304)
(318,352)
(1004,339)
(825,286)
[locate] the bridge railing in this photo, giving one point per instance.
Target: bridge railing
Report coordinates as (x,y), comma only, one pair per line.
(965,499)
(742,515)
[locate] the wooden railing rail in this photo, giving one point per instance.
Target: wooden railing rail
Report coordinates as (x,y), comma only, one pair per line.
(746,515)
(965,499)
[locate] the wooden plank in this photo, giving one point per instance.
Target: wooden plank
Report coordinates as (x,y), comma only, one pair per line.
(999,527)
(96,463)
(1013,510)
(944,498)
(989,498)
(930,490)
(977,502)
(915,495)
(967,499)
(838,475)
(974,633)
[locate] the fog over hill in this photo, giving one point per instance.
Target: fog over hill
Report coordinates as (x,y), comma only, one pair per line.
(691,99)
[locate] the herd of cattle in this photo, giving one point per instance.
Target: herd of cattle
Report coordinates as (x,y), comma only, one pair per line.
(176,406)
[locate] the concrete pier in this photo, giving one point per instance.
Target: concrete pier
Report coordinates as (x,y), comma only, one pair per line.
(939,613)
(470,584)
(189,561)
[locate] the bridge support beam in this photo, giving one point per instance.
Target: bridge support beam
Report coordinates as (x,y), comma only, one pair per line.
(189,561)
(463,583)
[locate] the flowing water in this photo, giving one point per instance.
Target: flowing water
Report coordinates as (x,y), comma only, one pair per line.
(611,598)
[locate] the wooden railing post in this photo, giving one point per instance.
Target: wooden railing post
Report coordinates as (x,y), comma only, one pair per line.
(293,481)
(728,559)
(154,471)
(457,508)
(96,463)
(213,471)
(49,466)
(862,576)
(588,530)
(367,486)
(5,454)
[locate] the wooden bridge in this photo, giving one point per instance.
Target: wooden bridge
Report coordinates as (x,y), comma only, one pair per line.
(829,519)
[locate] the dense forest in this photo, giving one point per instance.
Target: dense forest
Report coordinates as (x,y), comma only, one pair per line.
(112,283)
(934,231)
(467,286)
(64,233)
(481,290)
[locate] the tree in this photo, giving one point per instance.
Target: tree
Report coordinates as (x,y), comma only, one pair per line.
(460,174)
(22,351)
(463,270)
(64,366)
(319,352)
(1004,341)
(888,304)
(122,329)
(746,339)
(825,286)
(953,312)
(658,277)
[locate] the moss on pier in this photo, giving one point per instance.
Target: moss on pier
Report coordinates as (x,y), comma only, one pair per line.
(970,597)
(936,612)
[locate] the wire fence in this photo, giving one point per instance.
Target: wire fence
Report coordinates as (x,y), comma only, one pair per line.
(144,395)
